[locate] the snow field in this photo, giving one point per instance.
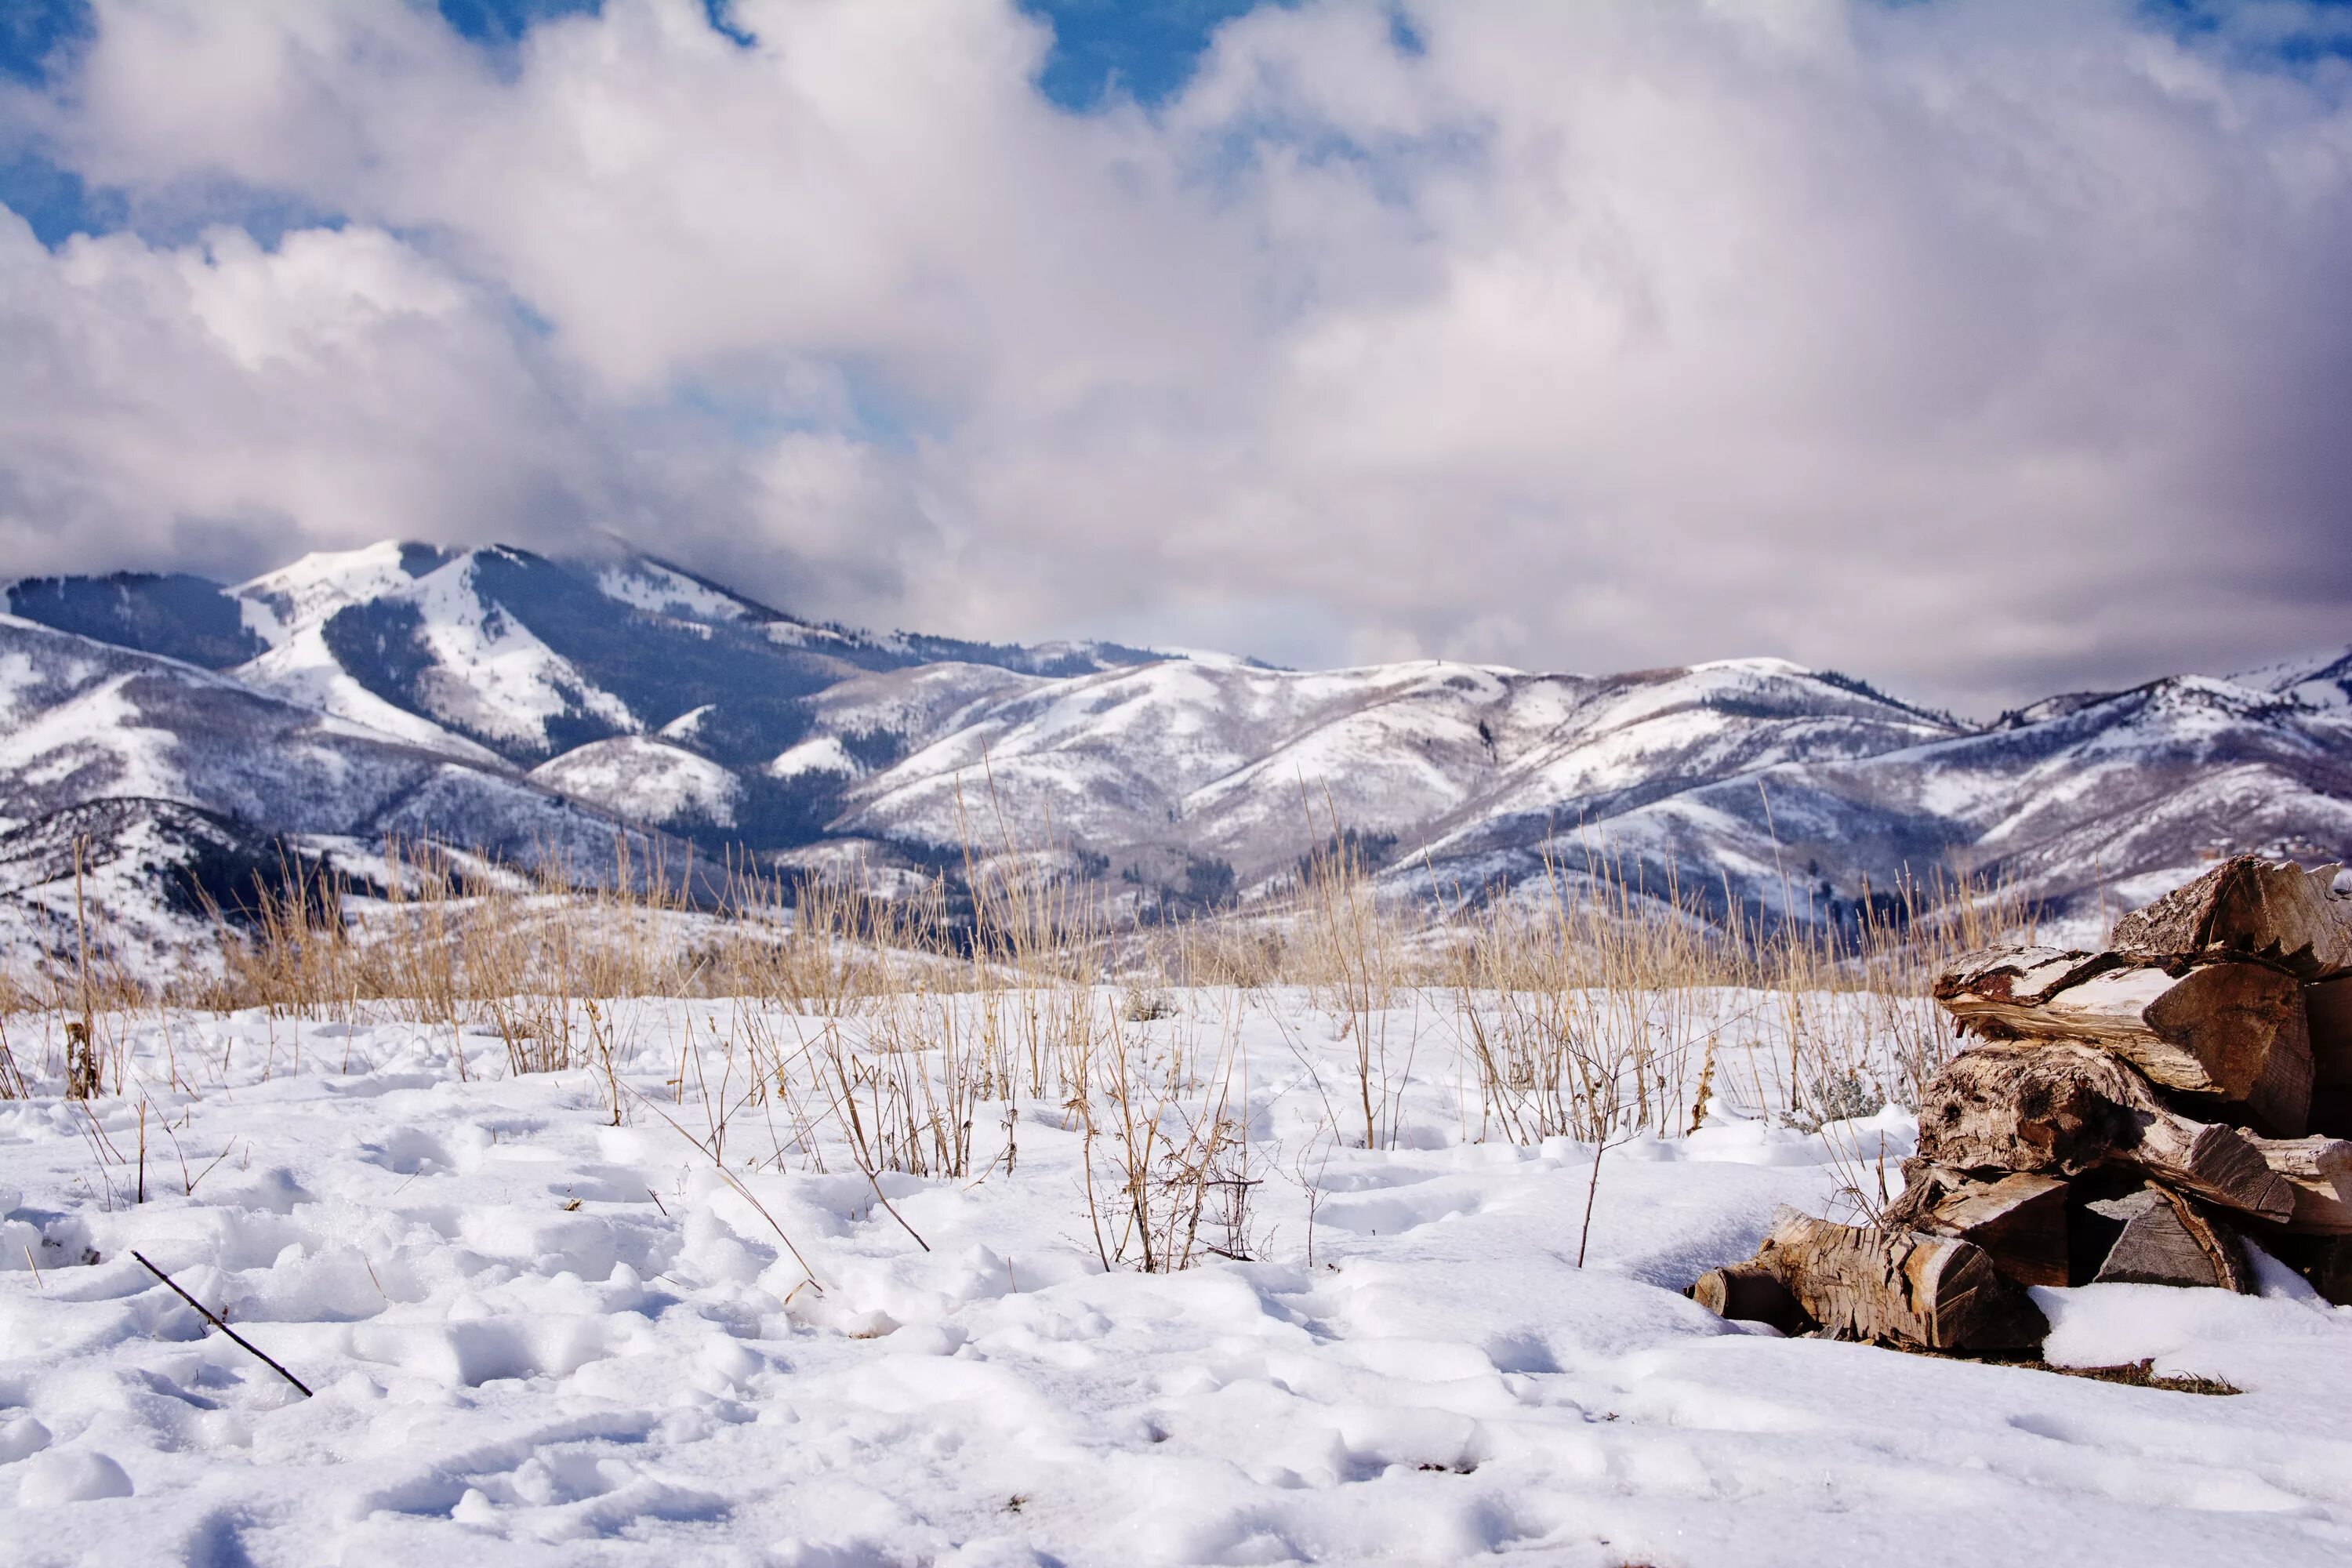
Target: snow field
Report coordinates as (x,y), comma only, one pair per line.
(538,1337)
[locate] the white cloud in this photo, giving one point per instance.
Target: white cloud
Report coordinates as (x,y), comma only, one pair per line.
(218,404)
(1979,347)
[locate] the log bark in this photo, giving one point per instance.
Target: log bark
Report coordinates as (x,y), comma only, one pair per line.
(2060,1109)
(2231,1032)
(1898,1287)
(2022,976)
(1751,1294)
(2273,910)
(2167,1239)
(2020,1220)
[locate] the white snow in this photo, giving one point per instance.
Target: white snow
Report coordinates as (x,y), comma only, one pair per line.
(820,755)
(2321,680)
(645,585)
(1241,757)
(644,780)
(302,668)
(536,1337)
(492,673)
(320,584)
(686,725)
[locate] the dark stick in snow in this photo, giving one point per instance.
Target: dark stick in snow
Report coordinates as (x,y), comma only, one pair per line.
(212,1318)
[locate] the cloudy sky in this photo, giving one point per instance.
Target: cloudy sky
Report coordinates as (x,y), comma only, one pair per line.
(1982,347)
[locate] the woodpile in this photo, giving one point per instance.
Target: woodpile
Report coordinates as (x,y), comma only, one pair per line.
(2134,1115)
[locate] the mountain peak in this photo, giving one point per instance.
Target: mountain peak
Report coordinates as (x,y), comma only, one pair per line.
(2319,680)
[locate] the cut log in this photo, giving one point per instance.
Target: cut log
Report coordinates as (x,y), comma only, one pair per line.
(2051,1107)
(2061,1109)
(2243,1025)
(2023,977)
(2319,1173)
(1752,1295)
(2217,1162)
(2270,909)
(2167,1239)
(2231,1032)
(2019,1220)
(1898,1287)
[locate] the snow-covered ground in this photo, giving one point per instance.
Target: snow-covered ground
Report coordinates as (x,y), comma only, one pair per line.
(538,1337)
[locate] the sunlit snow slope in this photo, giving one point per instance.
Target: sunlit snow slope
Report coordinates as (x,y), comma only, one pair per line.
(631,686)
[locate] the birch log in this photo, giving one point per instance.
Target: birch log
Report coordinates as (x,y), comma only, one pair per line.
(1750,1294)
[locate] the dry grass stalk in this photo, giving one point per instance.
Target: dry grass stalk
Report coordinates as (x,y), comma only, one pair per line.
(1598,1003)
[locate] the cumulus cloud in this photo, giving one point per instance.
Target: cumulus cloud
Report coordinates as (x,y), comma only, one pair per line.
(1982,347)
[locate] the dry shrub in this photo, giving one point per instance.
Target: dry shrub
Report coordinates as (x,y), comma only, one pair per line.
(1596,1002)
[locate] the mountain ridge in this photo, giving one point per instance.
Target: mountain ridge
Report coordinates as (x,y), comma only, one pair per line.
(613,690)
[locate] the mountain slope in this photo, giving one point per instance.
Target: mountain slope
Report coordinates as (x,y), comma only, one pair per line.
(407,687)
(82,720)
(140,883)
(1249,765)
(176,616)
(498,652)
(2106,798)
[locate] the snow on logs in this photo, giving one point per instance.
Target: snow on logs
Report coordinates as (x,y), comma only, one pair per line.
(2124,1115)
(2231,1032)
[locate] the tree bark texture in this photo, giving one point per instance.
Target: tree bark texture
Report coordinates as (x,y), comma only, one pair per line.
(1898,1287)
(2056,1108)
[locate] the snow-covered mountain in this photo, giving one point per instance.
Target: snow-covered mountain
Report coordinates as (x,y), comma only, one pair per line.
(162,769)
(499,652)
(2081,802)
(1158,766)
(493,696)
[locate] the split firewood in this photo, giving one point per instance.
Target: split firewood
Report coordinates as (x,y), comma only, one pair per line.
(1898,1287)
(2019,976)
(1749,1294)
(2319,1172)
(2246,907)
(2232,1032)
(2061,1109)
(2164,1238)
(2020,1220)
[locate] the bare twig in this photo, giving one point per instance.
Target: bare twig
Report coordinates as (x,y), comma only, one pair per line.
(212,1318)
